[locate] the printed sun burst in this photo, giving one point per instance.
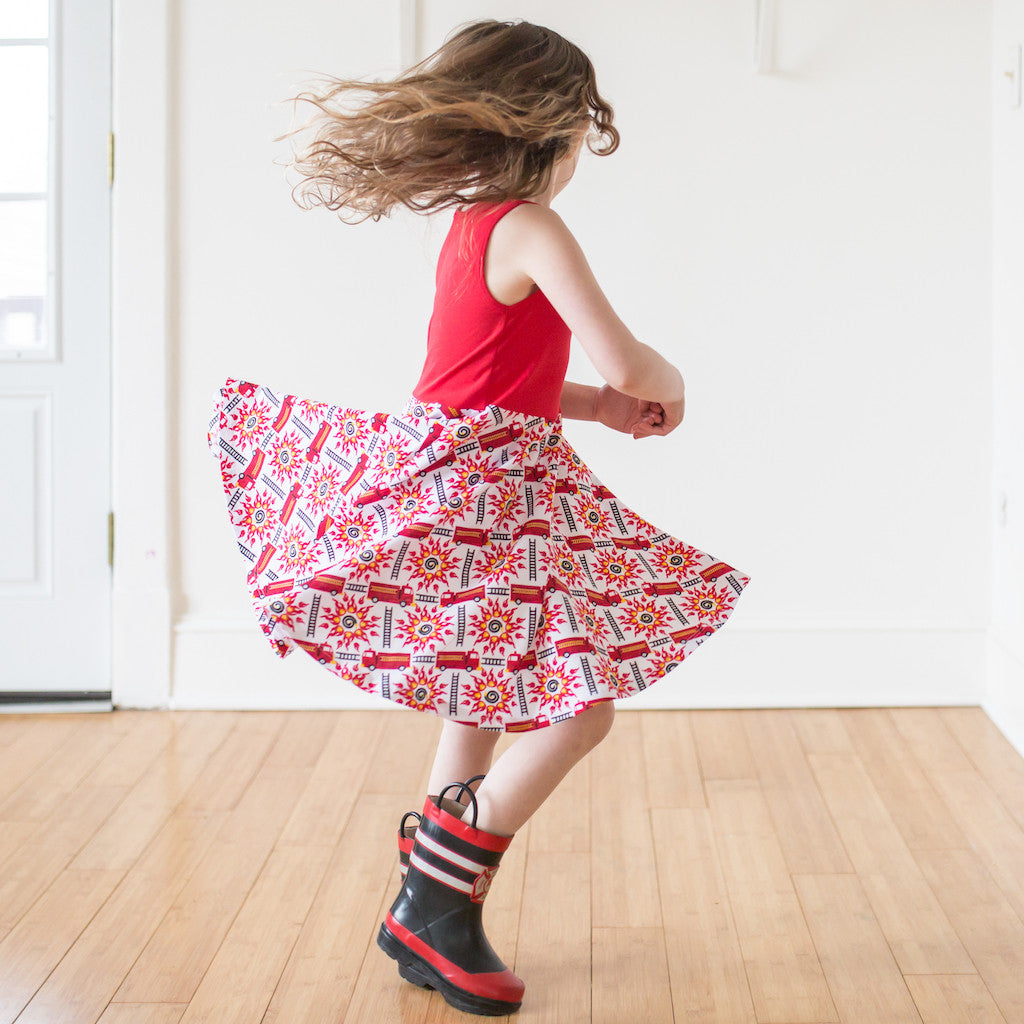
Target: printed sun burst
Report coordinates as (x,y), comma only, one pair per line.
(591,621)
(679,560)
(285,459)
(499,564)
(229,470)
(369,561)
(297,553)
(591,517)
(323,485)
(311,411)
(250,424)
(411,504)
(351,529)
(553,686)
(467,472)
(348,671)
(293,613)
(662,661)
(489,696)
(643,616)
(616,568)
(707,602)
(350,430)
(506,501)
(255,518)
(420,688)
(390,458)
(424,626)
(552,622)
(349,620)
(496,625)
(431,563)
(558,561)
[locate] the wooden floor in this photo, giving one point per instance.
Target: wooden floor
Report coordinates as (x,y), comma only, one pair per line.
(858,866)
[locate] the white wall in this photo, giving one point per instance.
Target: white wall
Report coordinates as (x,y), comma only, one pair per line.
(1005,697)
(811,246)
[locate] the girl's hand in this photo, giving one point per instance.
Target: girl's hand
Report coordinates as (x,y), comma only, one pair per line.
(671,416)
(635,416)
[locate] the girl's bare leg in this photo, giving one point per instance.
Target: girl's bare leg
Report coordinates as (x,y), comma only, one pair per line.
(462,752)
(529,770)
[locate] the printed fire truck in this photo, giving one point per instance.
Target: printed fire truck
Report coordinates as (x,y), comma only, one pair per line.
(627,652)
(291,501)
(378,591)
(386,659)
(469,660)
(454,597)
(431,436)
(519,662)
(554,583)
(314,450)
(574,645)
(360,468)
(691,633)
(470,535)
(539,722)
(248,475)
(565,486)
(631,542)
(325,581)
(372,495)
(580,542)
(264,560)
(325,524)
(246,389)
(283,413)
(445,460)
(321,652)
(596,597)
(501,436)
(601,492)
(521,592)
(536,527)
(712,572)
(379,421)
(654,587)
(534,473)
(417,530)
(277,587)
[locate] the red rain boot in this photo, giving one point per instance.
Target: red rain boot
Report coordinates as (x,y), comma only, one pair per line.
(435,927)
(407,833)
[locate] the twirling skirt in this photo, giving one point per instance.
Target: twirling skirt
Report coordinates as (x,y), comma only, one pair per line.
(457,561)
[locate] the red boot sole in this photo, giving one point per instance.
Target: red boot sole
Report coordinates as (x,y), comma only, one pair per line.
(413,968)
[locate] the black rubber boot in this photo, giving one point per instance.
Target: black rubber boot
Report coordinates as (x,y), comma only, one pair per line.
(435,927)
(407,833)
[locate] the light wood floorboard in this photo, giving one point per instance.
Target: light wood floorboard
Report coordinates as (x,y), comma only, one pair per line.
(809,866)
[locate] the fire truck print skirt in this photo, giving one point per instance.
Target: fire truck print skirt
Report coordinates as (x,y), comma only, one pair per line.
(457,561)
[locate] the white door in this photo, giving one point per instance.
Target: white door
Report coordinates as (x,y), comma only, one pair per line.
(55,577)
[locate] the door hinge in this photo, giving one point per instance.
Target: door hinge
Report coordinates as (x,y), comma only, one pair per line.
(110,539)
(110,158)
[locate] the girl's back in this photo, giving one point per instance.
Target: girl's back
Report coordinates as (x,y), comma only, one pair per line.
(484,351)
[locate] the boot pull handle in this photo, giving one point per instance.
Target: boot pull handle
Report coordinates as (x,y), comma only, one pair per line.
(462,787)
(405,817)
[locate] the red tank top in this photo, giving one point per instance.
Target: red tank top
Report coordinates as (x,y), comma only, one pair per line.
(480,351)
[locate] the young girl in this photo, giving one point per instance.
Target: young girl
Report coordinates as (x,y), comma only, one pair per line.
(459,557)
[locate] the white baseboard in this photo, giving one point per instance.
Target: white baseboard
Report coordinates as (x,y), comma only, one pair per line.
(1004,699)
(228,664)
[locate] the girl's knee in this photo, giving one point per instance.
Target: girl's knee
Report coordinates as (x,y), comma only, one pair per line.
(596,722)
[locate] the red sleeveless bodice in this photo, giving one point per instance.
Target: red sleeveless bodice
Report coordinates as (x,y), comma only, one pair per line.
(480,351)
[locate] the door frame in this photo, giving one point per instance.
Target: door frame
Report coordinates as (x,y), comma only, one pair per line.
(143,387)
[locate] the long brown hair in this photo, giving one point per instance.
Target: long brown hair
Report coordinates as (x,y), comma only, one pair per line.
(482,119)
